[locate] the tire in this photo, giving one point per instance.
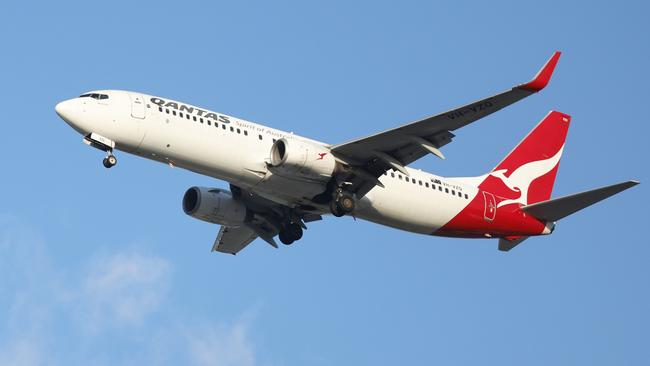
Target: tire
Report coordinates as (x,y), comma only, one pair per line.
(107,165)
(335,209)
(295,232)
(346,203)
(112,160)
(285,238)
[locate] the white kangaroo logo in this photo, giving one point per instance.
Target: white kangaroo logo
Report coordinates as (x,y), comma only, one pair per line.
(522,177)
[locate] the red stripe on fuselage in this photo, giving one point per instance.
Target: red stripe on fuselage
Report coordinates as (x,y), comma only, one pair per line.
(509,220)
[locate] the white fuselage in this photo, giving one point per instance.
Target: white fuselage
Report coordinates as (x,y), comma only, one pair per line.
(237,151)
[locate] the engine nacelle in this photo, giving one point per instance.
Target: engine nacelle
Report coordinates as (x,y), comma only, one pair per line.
(302,159)
(214,205)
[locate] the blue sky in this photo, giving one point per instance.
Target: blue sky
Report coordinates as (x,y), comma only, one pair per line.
(102,267)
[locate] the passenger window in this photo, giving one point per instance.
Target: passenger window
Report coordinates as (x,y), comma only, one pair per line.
(174,113)
(400,176)
(159,109)
(466,197)
(406,179)
(180,114)
(420,182)
(188,116)
(224,126)
(238,130)
(201,119)
(446,190)
(426,185)
(194,117)
(392,175)
(232,129)
(167,111)
(440,188)
(259,137)
(245,133)
(209,123)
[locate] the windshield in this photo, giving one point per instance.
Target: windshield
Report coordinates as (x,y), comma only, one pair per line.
(94,96)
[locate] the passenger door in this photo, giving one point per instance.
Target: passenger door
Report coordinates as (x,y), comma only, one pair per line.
(138,106)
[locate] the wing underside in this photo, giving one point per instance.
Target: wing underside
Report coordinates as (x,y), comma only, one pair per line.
(265,220)
(233,239)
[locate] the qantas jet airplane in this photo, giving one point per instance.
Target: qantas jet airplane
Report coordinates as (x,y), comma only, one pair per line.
(280,181)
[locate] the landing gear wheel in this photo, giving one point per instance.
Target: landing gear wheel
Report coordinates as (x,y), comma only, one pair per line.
(112,159)
(295,231)
(285,238)
(342,203)
(109,161)
(336,211)
(290,233)
(346,203)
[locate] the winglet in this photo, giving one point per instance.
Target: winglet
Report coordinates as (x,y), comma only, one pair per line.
(543,76)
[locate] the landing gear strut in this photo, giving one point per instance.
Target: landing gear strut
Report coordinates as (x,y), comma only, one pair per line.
(110,161)
(342,203)
(290,233)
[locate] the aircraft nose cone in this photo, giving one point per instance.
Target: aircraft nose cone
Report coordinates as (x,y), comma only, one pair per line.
(70,112)
(64,110)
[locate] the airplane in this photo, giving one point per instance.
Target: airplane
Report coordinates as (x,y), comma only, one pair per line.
(280,181)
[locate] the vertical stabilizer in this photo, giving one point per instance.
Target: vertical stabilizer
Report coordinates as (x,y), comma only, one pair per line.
(527,174)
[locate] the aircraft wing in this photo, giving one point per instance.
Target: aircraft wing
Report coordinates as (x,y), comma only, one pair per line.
(233,239)
(396,148)
(266,218)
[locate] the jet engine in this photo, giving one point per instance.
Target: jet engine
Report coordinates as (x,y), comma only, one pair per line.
(214,205)
(302,159)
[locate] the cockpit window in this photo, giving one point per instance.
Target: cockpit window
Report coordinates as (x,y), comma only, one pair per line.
(94,96)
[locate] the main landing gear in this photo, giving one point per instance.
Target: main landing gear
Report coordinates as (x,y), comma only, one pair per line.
(110,160)
(342,203)
(290,233)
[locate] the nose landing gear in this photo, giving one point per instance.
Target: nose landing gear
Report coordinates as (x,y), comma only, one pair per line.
(104,144)
(109,161)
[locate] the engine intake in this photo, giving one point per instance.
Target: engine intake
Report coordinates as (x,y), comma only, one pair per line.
(302,159)
(214,205)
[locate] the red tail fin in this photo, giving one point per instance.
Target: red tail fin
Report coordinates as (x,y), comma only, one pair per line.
(527,174)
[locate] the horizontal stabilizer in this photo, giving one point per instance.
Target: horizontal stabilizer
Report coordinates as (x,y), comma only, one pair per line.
(555,209)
